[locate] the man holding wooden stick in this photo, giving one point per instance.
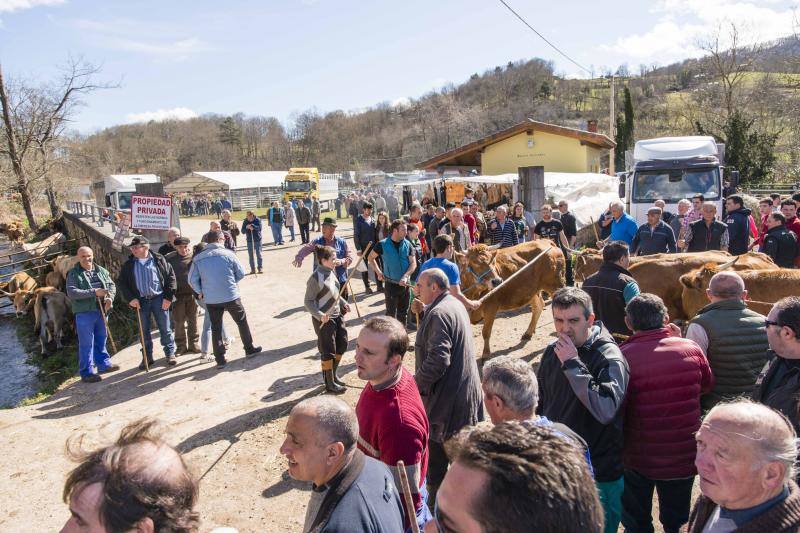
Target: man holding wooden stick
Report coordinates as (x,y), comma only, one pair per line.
(88,284)
(392,422)
(344,257)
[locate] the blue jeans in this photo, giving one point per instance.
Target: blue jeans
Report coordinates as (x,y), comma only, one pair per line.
(205,332)
(424,514)
(92,354)
(291,231)
(277,228)
(254,246)
(153,307)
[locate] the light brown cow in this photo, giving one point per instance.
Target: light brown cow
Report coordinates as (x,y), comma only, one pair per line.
(661,276)
(765,287)
(483,268)
(53,279)
(51,310)
(588,261)
(62,264)
(20,291)
(20,280)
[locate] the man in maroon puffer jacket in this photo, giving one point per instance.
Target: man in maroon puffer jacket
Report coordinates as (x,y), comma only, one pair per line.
(662,413)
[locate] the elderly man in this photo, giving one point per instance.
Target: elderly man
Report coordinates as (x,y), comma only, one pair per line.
(399,262)
(502,231)
(138,483)
(436,222)
(147,282)
(778,386)
(745,460)
(679,222)
(511,392)
(89,284)
(707,233)
(458,230)
(229,225)
(654,237)
(184,309)
(667,376)
(516,478)
(582,381)
(214,275)
(779,242)
(731,336)
(349,491)
(623,226)
(392,422)
(316,211)
(446,370)
(169,246)
(611,288)
(251,226)
(344,257)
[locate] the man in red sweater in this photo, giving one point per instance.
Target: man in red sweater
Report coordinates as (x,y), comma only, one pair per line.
(662,414)
(392,422)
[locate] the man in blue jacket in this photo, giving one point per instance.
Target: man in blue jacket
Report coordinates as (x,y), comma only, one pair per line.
(214,276)
(738,221)
(349,491)
(275,218)
(252,228)
(654,237)
(623,226)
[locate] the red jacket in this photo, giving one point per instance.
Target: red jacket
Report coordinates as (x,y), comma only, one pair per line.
(662,403)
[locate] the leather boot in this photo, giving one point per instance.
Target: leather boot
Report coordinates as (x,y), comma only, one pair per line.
(330,385)
(336,379)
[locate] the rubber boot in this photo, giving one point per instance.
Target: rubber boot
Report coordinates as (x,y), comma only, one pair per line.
(330,385)
(336,379)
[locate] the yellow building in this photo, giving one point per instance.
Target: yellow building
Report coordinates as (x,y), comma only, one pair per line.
(528,144)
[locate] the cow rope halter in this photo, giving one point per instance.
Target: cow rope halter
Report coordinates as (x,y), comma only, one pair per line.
(478,278)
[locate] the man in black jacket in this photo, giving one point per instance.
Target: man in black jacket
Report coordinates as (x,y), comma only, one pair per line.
(184,310)
(779,243)
(147,282)
(570,225)
(363,235)
(582,381)
(738,221)
(612,287)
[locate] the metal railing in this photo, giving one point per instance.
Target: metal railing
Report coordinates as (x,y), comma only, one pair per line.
(99,215)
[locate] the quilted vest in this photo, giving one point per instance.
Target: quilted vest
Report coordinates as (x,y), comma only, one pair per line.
(701,239)
(395,259)
(737,348)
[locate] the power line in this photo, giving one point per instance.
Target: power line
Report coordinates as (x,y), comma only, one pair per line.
(557,49)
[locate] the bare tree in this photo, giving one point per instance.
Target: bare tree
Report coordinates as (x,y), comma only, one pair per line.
(34,120)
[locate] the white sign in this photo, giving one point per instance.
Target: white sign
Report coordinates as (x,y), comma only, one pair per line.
(151,212)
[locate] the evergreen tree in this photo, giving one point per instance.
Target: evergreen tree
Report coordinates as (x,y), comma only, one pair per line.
(624,135)
(230,133)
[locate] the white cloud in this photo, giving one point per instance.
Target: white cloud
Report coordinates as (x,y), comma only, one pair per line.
(176,113)
(684,24)
(402,101)
(9,6)
(126,35)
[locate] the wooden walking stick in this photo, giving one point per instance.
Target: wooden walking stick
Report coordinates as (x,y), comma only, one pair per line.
(405,489)
(105,323)
(141,339)
(346,283)
(353,296)
(596,235)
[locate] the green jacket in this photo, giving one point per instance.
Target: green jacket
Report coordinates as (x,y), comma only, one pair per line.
(81,294)
(737,348)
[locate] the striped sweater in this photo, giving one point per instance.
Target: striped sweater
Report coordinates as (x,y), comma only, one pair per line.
(322,292)
(393,426)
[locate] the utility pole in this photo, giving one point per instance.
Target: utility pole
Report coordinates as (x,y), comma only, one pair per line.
(611,128)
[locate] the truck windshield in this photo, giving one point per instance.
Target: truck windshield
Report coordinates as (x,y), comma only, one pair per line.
(650,185)
(124,200)
(298,186)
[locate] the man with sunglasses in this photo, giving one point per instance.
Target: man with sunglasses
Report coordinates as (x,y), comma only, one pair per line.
(778,386)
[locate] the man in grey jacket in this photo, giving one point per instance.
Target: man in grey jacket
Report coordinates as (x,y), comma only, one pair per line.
(446,370)
(214,276)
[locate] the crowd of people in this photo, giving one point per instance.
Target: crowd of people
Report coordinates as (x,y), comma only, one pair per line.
(623,403)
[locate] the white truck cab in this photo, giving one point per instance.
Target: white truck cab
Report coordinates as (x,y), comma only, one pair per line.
(673,168)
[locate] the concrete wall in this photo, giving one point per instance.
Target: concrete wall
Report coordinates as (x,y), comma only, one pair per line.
(555,153)
(99,239)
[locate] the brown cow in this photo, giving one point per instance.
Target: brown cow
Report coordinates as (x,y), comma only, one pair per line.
(62,264)
(20,291)
(661,276)
(19,280)
(51,310)
(483,268)
(765,287)
(588,261)
(53,279)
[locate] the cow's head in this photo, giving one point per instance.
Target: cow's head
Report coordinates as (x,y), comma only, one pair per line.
(478,272)
(587,262)
(695,284)
(22,300)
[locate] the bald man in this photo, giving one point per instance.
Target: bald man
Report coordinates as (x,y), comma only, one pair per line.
(745,461)
(732,337)
(139,483)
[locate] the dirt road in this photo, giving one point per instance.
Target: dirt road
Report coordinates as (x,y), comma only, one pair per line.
(229,423)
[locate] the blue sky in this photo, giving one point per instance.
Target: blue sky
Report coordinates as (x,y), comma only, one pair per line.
(179,58)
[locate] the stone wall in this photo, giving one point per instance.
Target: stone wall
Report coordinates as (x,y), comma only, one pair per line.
(99,239)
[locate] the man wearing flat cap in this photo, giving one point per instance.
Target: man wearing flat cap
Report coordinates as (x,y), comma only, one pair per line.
(147,282)
(184,309)
(654,237)
(344,256)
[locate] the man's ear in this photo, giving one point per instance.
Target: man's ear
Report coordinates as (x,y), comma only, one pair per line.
(333,452)
(145,525)
(591,319)
(630,326)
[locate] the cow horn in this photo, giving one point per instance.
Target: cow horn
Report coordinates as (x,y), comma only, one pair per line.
(729,264)
(493,247)
(9,294)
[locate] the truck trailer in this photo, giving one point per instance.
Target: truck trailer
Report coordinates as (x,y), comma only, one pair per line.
(115,190)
